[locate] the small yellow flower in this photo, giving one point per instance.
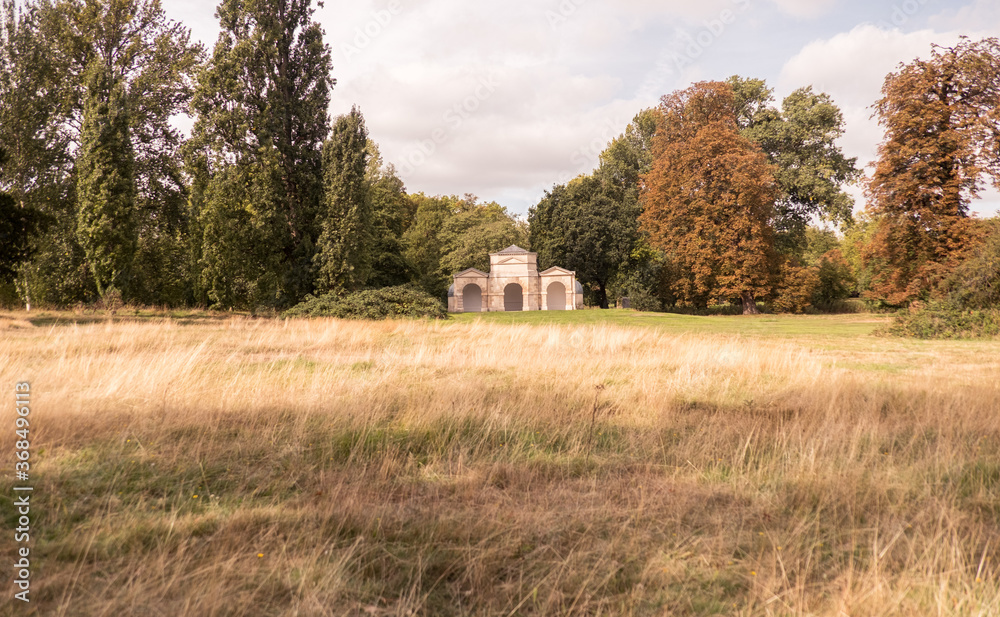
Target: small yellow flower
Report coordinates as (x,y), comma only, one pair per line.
(753,573)
(260,555)
(194,497)
(779,548)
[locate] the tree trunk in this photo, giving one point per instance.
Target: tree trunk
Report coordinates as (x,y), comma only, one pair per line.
(749,304)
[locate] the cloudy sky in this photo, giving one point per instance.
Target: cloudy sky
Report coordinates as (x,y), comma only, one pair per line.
(503,99)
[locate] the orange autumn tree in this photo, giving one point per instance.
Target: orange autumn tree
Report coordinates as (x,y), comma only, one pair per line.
(708,200)
(942,138)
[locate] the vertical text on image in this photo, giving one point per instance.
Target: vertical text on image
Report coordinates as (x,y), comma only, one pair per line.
(22,490)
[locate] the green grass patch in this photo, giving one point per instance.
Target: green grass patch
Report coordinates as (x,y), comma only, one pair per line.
(769,326)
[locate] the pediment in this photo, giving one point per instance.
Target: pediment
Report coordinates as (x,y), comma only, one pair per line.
(556,271)
(472,272)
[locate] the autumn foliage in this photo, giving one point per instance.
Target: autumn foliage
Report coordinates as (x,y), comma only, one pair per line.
(942,139)
(709,198)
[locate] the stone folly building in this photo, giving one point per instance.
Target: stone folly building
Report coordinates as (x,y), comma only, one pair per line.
(514,284)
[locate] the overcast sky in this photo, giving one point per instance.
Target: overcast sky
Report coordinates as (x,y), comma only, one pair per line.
(503,99)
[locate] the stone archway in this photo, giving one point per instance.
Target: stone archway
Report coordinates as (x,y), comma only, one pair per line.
(513,297)
(472,299)
(556,297)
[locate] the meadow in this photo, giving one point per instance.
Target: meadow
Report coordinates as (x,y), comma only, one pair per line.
(582,463)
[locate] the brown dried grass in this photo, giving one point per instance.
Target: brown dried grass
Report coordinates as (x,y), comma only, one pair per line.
(485,469)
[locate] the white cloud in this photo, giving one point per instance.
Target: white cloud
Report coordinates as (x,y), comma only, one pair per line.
(805,8)
(851,67)
(981,16)
(566,86)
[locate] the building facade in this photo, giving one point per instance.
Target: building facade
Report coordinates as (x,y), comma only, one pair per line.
(514,284)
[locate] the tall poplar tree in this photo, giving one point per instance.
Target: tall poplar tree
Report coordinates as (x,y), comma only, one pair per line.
(47,50)
(344,254)
(261,107)
(106,226)
(942,138)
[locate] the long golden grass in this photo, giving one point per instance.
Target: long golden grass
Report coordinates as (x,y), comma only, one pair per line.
(267,467)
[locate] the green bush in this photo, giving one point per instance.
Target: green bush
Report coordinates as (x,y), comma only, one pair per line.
(941,320)
(386,303)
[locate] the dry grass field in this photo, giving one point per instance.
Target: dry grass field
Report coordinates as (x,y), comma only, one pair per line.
(227,466)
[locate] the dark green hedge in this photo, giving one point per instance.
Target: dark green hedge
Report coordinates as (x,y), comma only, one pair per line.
(944,321)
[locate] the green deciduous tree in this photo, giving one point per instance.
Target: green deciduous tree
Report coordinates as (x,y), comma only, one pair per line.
(942,134)
(240,267)
(628,157)
(106,228)
(473,231)
(590,225)
(17,224)
(450,234)
(582,226)
(38,174)
(422,242)
(261,107)
(345,248)
(823,253)
(800,141)
(392,215)
(641,276)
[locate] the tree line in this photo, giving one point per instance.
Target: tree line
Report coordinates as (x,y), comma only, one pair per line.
(715,196)
(268,201)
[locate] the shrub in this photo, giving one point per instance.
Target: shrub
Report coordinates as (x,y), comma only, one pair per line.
(943,320)
(796,288)
(386,303)
(835,280)
(975,283)
(641,299)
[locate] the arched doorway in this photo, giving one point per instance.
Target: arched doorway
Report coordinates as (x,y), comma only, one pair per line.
(472,298)
(556,297)
(513,297)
